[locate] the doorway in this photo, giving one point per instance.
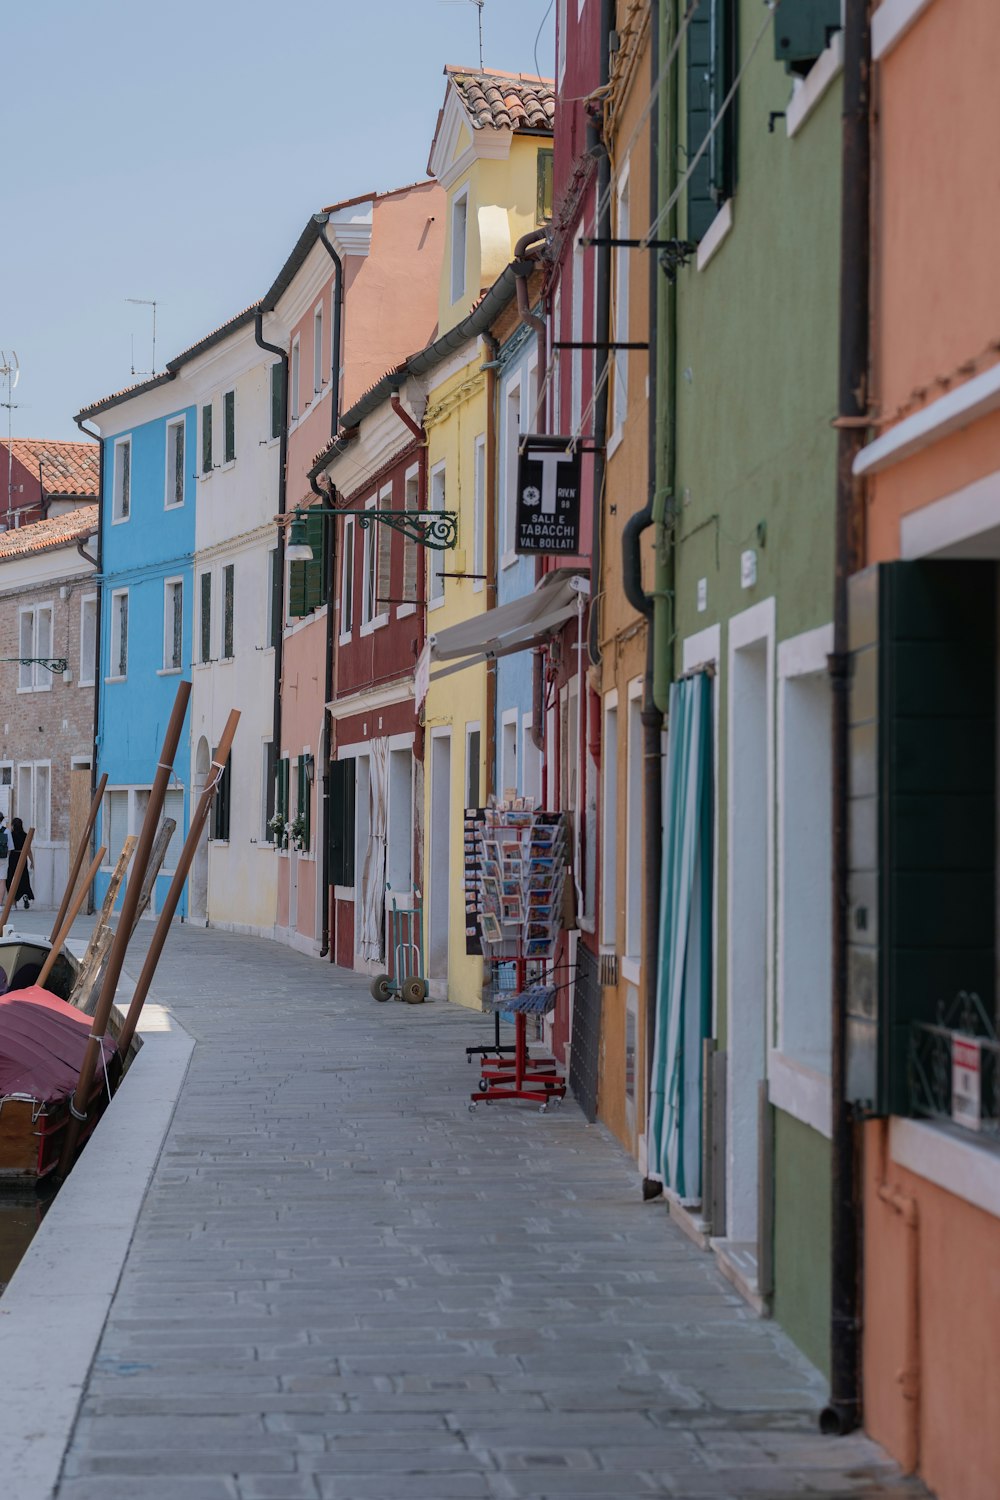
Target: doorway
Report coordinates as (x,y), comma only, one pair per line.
(440,862)
(199,868)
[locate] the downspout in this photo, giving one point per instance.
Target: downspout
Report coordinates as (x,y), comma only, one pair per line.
(664,502)
(652,715)
(843,1412)
(278,625)
(97,561)
(602,333)
(489,549)
(331,553)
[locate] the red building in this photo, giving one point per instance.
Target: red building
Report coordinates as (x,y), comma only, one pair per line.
(41,478)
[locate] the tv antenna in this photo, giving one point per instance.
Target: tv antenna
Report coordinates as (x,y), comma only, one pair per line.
(10,371)
(144,302)
(479,6)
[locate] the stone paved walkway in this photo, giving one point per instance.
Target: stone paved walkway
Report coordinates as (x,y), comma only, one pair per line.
(344,1286)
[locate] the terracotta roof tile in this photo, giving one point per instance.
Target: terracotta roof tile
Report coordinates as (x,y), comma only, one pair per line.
(67,468)
(42,536)
(505,101)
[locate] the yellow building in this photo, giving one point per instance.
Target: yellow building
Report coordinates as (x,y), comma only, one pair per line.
(492,154)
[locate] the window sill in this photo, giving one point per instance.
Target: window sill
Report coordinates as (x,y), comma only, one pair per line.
(218,843)
(962,1167)
(509,559)
(892,21)
(88,683)
(402,610)
(435,603)
(44,688)
(631,969)
(715,234)
(230,463)
(799,1091)
(226,661)
(615,440)
(374,624)
(169,671)
(173,505)
(117,679)
(345,640)
(807,92)
(199,666)
(120,520)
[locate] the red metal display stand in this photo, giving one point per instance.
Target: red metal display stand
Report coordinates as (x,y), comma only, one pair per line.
(521,1076)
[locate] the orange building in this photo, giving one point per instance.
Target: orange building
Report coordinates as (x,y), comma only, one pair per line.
(923,1056)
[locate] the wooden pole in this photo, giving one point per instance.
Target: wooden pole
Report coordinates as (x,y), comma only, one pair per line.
(80,853)
(18,872)
(116,958)
(164,834)
(100,938)
(77,902)
(184,863)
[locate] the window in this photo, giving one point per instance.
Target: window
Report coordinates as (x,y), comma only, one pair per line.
(512,438)
(228,609)
(295,379)
(802,32)
(508,753)
(221,805)
(576,336)
(473,742)
(173,624)
(435,583)
(273,598)
(229,427)
(609,823)
(711,55)
(173,807)
(267,792)
(307,580)
(34,797)
(303,799)
(621,307)
(531,763)
(174,491)
(118,665)
(205,631)
(206,439)
(343,787)
(35,640)
(557,354)
(399,844)
(479,512)
(383,580)
(88,640)
(633,826)
(318,350)
(281,789)
(411,501)
(122,498)
(114,825)
(560,41)
(347,581)
(459,237)
(543,199)
(277,399)
(375,564)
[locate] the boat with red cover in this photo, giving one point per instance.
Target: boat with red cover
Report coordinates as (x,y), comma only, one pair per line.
(42,1044)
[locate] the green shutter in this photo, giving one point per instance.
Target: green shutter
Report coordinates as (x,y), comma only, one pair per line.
(922,914)
(297,590)
(315,571)
(341,826)
(228,609)
(282,796)
(229,425)
(303,799)
(206,439)
(802,30)
(220,810)
(711,53)
(543,199)
(277,399)
(206,617)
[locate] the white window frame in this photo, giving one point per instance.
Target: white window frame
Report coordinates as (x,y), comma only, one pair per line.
(294,375)
(508,722)
(479,511)
(175,424)
(317,348)
(561,10)
(82,679)
(121,514)
(531,757)
(168,668)
(114,636)
(472,728)
(512,394)
(632,936)
(410,478)
(434,559)
(369,568)
(620,356)
(383,536)
(460,201)
(609,821)
(227,567)
(228,462)
(33,677)
(30,769)
(347,581)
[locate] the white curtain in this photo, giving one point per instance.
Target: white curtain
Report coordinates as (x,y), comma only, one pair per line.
(373,873)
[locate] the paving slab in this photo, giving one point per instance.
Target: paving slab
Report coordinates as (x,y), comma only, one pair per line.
(343,1285)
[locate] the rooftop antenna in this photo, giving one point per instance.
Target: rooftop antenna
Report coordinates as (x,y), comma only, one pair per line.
(10,370)
(479,6)
(144,302)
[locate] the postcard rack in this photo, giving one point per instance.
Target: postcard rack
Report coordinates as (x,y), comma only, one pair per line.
(519,889)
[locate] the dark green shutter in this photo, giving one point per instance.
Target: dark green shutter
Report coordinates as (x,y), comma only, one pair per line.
(307,580)
(277,399)
(206,617)
(341,830)
(206,439)
(228,608)
(922,810)
(282,796)
(275,587)
(220,809)
(711,53)
(802,30)
(303,799)
(543,200)
(229,425)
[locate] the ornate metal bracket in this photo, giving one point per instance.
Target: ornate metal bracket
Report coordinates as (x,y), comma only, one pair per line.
(437,529)
(53,663)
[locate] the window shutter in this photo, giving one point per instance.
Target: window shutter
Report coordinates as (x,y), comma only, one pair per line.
(303,799)
(282,798)
(228,606)
(802,30)
(383,589)
(206,439)
(922,814)
(26,670)
(277,399)
(206,617)
(221,806)
(315,571)
(229,425)
(122,635)
(341,830)
(297,590)
(711,53)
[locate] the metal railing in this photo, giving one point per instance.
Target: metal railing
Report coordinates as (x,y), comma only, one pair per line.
(953,1068)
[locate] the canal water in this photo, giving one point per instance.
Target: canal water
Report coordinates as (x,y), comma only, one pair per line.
(20,1216)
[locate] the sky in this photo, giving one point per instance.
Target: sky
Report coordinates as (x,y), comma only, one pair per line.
(175,150)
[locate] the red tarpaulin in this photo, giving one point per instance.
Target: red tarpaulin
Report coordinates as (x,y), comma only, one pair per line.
(42,1042)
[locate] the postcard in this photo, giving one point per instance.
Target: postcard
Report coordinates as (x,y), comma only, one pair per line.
(511,909)
(510,889)
(492,930)
(538,947)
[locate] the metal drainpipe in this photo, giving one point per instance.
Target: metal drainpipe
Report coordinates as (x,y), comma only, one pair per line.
(843,1412)
(278,626)
(96,437)
(331,552)
(652,716)
(663,503)
(489,548)
(602,333)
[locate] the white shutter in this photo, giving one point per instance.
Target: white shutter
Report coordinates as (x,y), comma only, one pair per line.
(26,648)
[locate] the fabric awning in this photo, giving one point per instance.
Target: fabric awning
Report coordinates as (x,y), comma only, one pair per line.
(516,626)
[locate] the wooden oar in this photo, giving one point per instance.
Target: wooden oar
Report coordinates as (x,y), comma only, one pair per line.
(18,872)
(57,942)
(198,820)
(116,958)
(80,853)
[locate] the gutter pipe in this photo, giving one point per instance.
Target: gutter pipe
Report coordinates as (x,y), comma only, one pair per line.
(602,332)
(97,561)
(651,716)
(490,366)
(663,501)
(278,604)
(842,1413)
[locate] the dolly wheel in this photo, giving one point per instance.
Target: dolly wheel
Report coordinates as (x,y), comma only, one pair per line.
(413,991)
(380,987)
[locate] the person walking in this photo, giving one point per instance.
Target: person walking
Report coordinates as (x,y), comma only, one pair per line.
(4,851)
(24,891)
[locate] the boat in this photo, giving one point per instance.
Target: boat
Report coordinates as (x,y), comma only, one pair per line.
(42,1044)
(21,962)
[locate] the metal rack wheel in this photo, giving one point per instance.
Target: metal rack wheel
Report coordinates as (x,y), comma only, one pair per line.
(380,988)
(413,991)
(483,1085)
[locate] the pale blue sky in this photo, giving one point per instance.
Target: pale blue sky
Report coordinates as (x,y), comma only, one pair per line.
(175,150)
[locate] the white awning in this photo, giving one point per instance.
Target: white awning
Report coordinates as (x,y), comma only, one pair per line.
(517,626)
